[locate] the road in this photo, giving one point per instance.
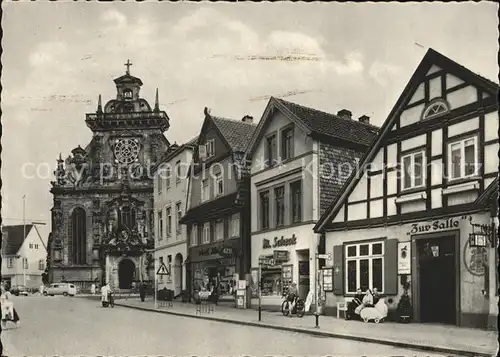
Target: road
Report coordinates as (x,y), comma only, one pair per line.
(68,326)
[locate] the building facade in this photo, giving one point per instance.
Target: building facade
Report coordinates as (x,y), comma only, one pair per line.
(24,253)
(300,159)
(403,223)
(170,200)
(102,218)
(218,210)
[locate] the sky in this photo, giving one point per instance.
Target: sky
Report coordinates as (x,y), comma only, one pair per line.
(59,56)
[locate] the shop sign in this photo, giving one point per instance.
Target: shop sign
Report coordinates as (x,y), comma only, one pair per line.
(279,242)
(404,258)
(225,252)
(475,259)
(437,225)
(281,256)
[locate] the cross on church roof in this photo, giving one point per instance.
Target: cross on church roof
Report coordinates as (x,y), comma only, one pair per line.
(128,64)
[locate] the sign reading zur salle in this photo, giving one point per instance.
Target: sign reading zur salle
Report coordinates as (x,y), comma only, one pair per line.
(436,225)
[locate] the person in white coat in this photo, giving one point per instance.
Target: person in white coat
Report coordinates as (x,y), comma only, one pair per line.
(105,290)
(92,289)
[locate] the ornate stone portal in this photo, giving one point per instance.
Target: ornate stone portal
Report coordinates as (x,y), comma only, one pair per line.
(102,218)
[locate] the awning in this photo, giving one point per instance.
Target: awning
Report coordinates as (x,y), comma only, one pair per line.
(212,209)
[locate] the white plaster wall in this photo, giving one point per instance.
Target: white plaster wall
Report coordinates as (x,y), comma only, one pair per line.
(356,211)
(339,217)
(360,192)
(392,155)
(418,95)
(416,206)
(452,81)
(436,172)
(410,116)
(414,142)
(376,208)
(377,186)
(491,126)
(436,198)
(392,182)
(463,127)
(462,97)
(491,158)
(437,142)
(435,88)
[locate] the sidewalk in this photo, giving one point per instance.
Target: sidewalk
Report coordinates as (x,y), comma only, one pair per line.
(428,337)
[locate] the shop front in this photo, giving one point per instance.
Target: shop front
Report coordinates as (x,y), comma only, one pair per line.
(443,264)
(214,267)
(287,257)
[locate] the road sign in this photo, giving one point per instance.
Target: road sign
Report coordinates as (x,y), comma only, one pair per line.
(324,256)
(163,270)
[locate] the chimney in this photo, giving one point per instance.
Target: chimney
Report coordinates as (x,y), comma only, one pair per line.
(345,114)
(247,119)
(365,119)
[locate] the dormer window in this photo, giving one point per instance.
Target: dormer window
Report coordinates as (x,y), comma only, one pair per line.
(127,94)
(435,108)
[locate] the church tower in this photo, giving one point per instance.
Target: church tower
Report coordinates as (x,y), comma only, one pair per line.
(102,217)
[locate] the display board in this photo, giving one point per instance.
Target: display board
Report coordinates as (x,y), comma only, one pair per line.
(286,277)
(327,274)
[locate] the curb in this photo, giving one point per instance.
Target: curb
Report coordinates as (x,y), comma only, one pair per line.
(319,333)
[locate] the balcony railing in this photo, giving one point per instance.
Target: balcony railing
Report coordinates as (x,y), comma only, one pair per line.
(126,116)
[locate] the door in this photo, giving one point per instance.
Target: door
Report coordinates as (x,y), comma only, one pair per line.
(437,280)
(304,282)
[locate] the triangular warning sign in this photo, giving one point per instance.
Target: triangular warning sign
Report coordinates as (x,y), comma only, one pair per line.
(163,270)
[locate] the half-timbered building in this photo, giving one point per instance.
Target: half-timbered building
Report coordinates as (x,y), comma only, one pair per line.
(418,210)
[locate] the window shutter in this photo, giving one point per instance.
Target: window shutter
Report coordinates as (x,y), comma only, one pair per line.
(338,270)
(391,267)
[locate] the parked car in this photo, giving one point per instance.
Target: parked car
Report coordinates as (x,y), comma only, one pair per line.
(19,290)
(61,289)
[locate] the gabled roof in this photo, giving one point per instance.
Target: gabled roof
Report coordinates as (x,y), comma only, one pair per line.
(313,121)
(490,193)
(332,125)
(430,58)
(237,134)
(13,238)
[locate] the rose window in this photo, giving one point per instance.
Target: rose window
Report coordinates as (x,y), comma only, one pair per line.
(127,150)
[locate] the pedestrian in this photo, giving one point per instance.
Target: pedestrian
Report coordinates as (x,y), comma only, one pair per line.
(42,287)
(8,310)
(104,292)
(92,289)
(142,291)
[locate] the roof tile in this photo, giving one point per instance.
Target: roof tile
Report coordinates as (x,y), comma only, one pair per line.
(237,133)
(13,238)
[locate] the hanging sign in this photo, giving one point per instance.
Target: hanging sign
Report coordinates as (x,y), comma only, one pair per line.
(404,258)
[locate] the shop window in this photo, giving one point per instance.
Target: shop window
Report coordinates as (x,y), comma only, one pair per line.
(206,233)
(463,158)
(235,225)
(413,170)
(279,197)
(264,209)
(219,229)
(296,201)
(194,235)
(271,150)
(179,216)
(364,266)
(160,226)
(287,144)
(169,222)
(271,282)
(205,191)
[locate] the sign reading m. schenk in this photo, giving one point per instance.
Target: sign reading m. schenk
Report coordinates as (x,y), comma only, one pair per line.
(279,242)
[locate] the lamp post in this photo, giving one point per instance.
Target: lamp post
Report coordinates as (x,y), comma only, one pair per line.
(24,237)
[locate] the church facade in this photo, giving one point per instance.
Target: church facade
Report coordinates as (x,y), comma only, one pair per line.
(102,215)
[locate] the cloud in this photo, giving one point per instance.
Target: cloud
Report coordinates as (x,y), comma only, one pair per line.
(114,18)
(382,72)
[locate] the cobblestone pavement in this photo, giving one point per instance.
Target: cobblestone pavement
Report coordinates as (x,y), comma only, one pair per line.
(67,326)
(433,337)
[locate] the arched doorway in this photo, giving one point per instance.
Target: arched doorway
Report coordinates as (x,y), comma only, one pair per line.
(126,272)
(178,274)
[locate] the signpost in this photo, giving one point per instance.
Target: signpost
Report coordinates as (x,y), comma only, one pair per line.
(319,256)
(162,270)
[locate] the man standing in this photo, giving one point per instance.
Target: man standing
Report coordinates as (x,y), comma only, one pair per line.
(142,291)
(92,289)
